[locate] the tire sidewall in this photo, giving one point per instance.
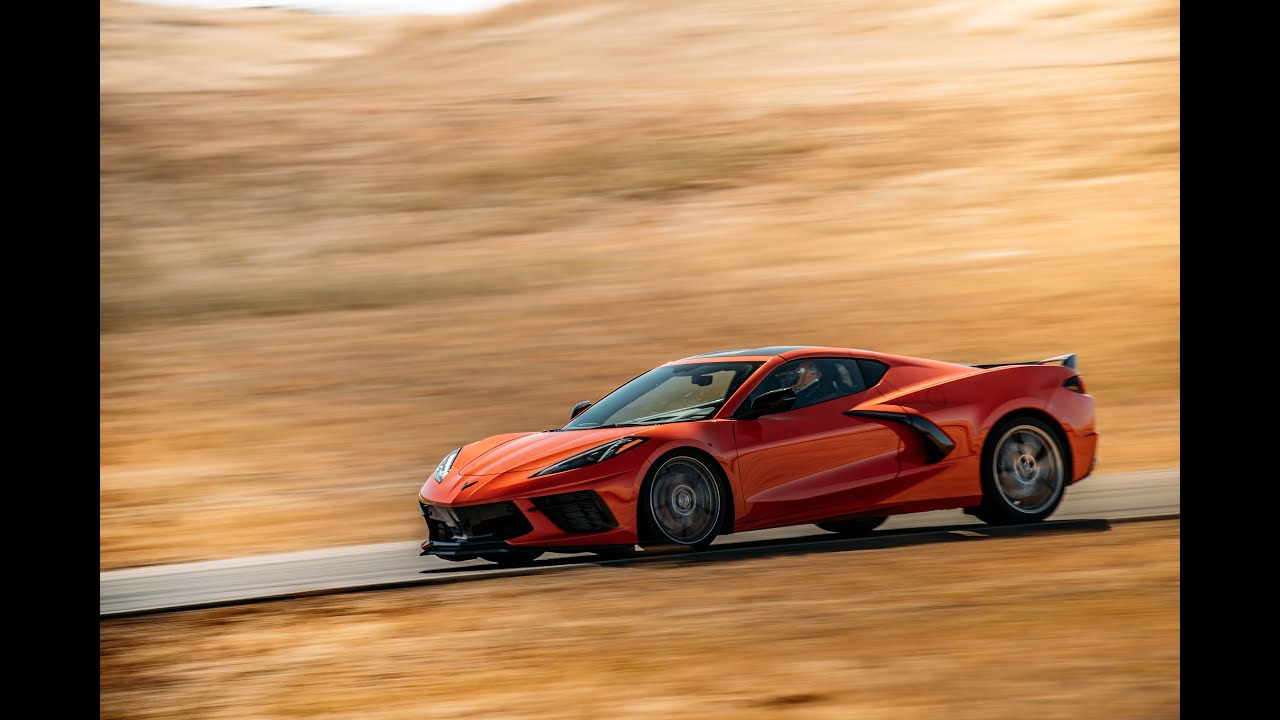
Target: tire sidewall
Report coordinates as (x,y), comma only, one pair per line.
(996,509)
(651,532)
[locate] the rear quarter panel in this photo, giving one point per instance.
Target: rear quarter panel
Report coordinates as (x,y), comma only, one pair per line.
(1077,414)
(966,407)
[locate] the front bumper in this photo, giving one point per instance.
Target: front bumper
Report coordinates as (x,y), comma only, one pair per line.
(565,522)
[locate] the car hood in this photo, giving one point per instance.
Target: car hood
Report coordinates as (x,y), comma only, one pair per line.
(534,451)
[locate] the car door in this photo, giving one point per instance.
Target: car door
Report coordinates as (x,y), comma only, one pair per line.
(813,461)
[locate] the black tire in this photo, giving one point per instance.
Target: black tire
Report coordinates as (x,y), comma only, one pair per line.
(682,503)
(857,527)
(1024,472)
(513,559)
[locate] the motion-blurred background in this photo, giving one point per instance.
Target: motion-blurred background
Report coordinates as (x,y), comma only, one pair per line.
(333,248)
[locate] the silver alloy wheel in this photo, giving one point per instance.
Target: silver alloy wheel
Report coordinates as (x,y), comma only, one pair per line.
(684,500)
(1028,469)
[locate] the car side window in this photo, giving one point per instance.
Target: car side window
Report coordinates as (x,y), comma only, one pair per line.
(835,378)
(872,371)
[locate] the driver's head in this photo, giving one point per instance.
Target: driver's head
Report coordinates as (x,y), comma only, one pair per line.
(801,375)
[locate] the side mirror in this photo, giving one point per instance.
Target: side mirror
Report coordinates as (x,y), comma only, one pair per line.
(577,409)
(774,401)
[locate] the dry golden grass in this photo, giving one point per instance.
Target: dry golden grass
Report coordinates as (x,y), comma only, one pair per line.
(1059,627)
(334,249)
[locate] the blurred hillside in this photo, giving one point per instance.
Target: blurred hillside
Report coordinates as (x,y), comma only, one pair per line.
(332,249)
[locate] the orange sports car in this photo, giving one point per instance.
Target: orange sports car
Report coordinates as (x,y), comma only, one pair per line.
(758,438)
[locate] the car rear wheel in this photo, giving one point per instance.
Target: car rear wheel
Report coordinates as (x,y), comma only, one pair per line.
(1023,473)
(682,503)
(513,559)
(857,527)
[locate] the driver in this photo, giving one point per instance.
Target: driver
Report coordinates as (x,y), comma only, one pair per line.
(803,378)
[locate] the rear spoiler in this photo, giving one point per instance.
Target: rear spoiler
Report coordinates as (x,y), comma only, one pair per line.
(1068,361)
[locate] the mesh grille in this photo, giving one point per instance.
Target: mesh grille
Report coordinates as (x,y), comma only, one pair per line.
(577,512)
(495,521)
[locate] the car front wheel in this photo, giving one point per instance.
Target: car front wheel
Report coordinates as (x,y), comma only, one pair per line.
(682,503)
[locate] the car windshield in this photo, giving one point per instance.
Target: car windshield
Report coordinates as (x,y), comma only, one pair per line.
(671,393)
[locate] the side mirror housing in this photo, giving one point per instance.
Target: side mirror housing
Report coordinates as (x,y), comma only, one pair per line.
(774,401)
(577,409)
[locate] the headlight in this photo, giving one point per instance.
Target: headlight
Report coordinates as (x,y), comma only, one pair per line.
(443,468)
(592,456)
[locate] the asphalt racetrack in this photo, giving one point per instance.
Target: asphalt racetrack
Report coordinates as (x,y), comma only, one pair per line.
(1091,505)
